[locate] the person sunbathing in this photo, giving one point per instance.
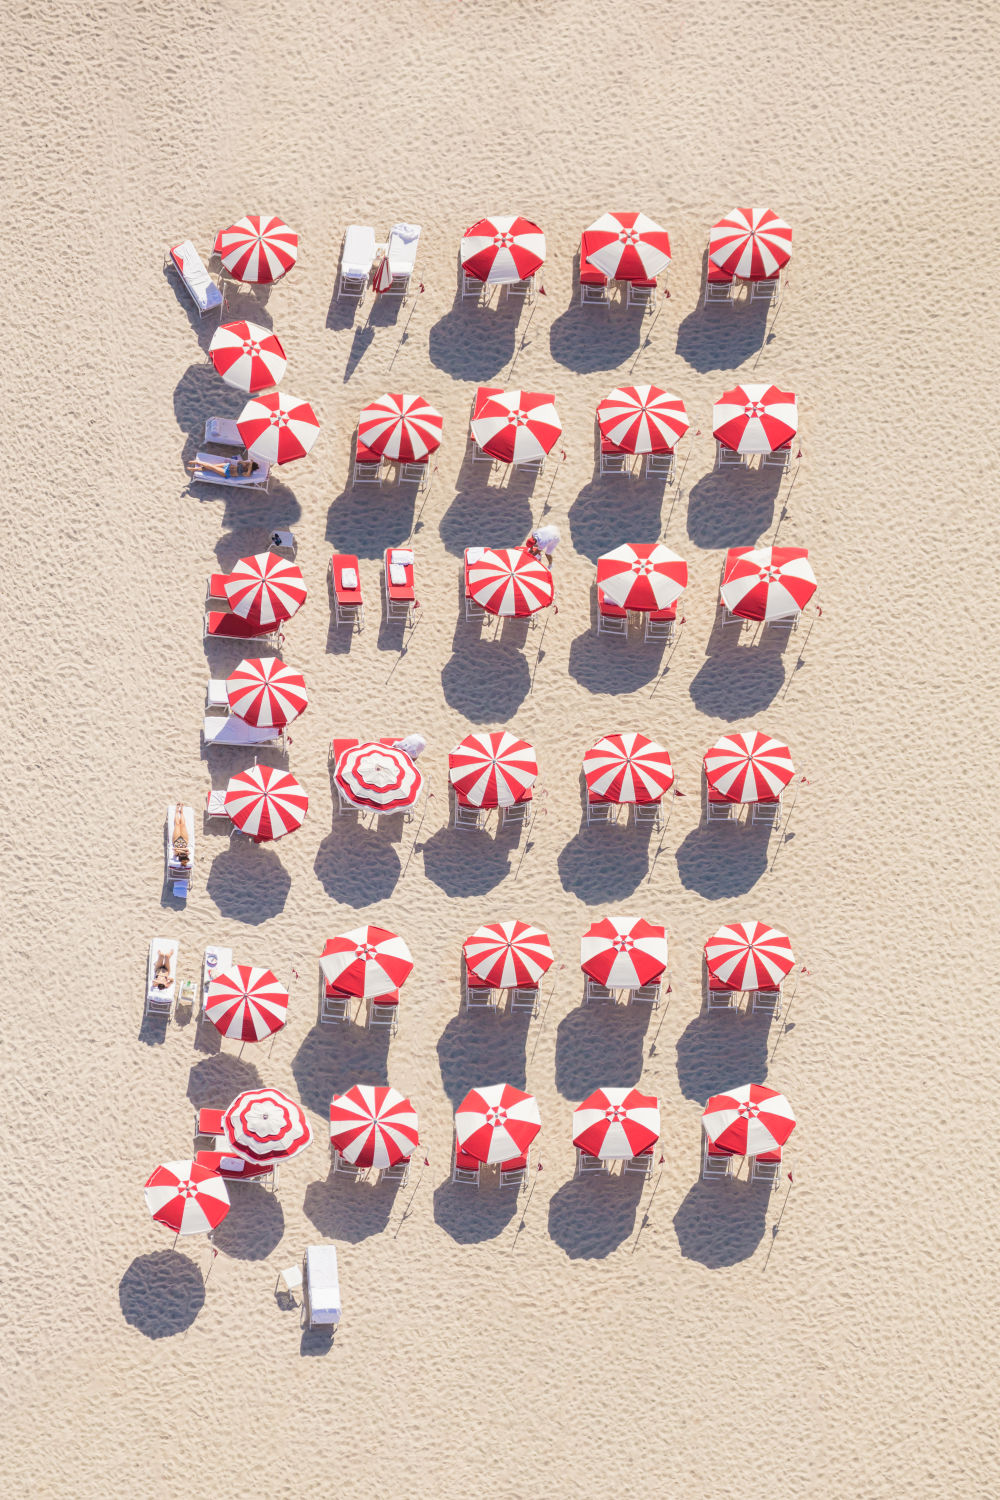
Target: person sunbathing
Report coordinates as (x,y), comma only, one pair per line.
(230,468)
(161,972)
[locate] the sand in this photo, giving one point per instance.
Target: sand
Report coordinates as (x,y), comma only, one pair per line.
(593,1336)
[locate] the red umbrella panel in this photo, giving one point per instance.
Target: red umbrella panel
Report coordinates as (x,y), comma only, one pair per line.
(505,955)
(247,356)
(367,961)
(264,692)
(748,1120)
(502,249)
(642,419)
(497,1124)
(755,418)
(616,1124)
(264,1125)
(627,247)
(517,426)
(767,583)
(624,952)
(493,770)
(627,768)
(642,576)
(246,1004)
(377,776)
(186,1198)
(749,956)
(258,248)
(373,1125)
(510,581)
(401,427)
(265,803)
(265,589)
(751,243)
(748,767)
(277,428)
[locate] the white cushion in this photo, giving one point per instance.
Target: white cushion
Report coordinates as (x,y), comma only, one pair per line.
(359,250)
(397,574)
(349,578)
(402,555)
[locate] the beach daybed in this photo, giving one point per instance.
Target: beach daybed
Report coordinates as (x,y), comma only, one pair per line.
(191,268)
(322,1286)
(161,975)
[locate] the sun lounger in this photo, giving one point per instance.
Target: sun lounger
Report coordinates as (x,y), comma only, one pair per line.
(322,1285)
(209,1123)
(356,259)
(585,1162)
(641,294)
(215,960)
(718,285)
(660,624)
(219,626)
(367,465)
(717,1163)
(259,479)
(215,804)
(594,285)
(222,1159)
(347,605)
(466,1167)
(216,589)
(180,847)
(230,729)
(402,255)
(611,618)
(191,269)
(161,976)
(224,431)
(473,610)
(514,1172)
(400,596)
(217,696)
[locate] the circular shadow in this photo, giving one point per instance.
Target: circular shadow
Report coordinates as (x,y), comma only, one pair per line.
(719,1052)
(721,1223)
(486,682)
(474,1048)
(722,862)
(334,1057)
(603,864)
(738,684)
(214,1082)
(587,343)
(473,1215)
(611,508)
(731,510)
(349,1211)
(610,664)
(721,338)
(161,1294)
(248,883)
(473,343)
(254,1224)
(355,865)
(465,861)
(590,1217)
(600,1045)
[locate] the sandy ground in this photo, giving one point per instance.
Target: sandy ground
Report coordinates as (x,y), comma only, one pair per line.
(669,1341)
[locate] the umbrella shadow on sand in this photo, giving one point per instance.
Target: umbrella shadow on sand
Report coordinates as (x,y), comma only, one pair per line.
(486,681)
(215,1082)
(721,1223)
(254,1225)
(334,1057)
(590,1217)
(475,1050)
(472,342)
(722,867)
(606,510)
(588,339)
(474,518)
(342,1209)
(470,1215)
(600,1045)
(466,861)
(161,1294)
(604,863)
(613,664)
(718,1052)
(736,681)
(721,337)
(356,865)
(248,884)
(368,519)
(732,509)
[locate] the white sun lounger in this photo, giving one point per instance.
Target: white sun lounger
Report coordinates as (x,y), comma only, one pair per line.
(322,1286)
(356,259)
(224,431)
(402,255)
(179,872)
(216,959)
(191,268)
(230,729)
(258,480)
(160,1001)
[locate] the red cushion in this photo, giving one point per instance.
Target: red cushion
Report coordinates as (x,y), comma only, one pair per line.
(210,1122)
(392,999)
(650,283)
(607,446)
(589,275)
(234,626)
(483,394)
(217,585)
(719,1150)
(664,614)
(465,1162)
(366,455)
(716,274)
(774,1155)
(609,610)
(339,562)
(516,1164)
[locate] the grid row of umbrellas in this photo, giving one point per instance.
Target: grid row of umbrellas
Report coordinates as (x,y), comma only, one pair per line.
(373,1126)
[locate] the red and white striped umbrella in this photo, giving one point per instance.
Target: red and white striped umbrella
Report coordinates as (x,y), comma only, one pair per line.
(517,426)
(627,247)
(628,767)
(497,1123)
(642,575)
(494,769)
(503,248)
(265,589)
(277,428)
(383,278)
(247,356)
(767,583)
(624,952)
(752,243)
(748,1120)
(186,1198)
(755,418)
(258,247)
(643,419)
(510,581)
(264,1125)
(749,956)
(367,961)
(373,1125)
(748,766)
(263,691)
(265,803)
(615,1124)
(246,1004)
(378,776)
(507,954)
(402,427)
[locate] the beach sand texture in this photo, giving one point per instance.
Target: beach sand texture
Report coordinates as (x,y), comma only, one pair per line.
(592,1335)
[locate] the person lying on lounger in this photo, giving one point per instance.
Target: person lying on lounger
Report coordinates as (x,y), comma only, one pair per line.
(229,468)
(161,972)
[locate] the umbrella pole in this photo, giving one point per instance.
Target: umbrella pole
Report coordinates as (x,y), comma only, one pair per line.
(405,333)
(777,1225)
(524,336)
(527,1204)
(428,798)
(539,653)
(801,658)
(406,1210)
(545,1007)
(645,1217)
(768,331)
(656,1038)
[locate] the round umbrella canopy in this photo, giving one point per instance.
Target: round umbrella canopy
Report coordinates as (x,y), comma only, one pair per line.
(643,419)
(246,1004)
(247,356)
(367,961)
(755,418)
(517,426)
(186,1198)
(497,1124)
(748,767)
(378,776)
(265,589)
(510,581)
(628,768)
(503,248)
(615,1124)
(258,247)
(265,803)
(748,1120)
(507,954)
(624,952)
(752,243)
(277,428)
(264,1125)
(263,691)
(627,247)
(749,956)
(402,427)
(373,1125)
(493,770)
(767,583)
(642,575)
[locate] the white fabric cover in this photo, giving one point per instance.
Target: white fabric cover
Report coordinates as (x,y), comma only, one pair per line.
(349,578)
(230,729)
(359,250)
(322,1285)
(402,251)
(195,276)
